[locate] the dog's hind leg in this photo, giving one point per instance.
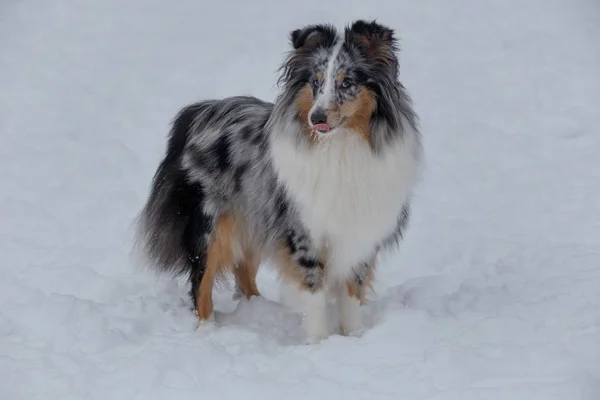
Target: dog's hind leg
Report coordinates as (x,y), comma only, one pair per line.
(197,234)
(218,257)
(245,277)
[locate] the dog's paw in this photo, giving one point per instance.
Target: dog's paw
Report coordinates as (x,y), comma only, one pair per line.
(205,322)
(315,331)
(357,331)
(237,295)
(314,339)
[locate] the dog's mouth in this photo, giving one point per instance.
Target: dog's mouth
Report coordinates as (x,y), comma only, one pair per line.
(321,128)
(324,129)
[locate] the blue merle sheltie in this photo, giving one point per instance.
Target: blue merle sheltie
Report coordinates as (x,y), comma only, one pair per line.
(318,182)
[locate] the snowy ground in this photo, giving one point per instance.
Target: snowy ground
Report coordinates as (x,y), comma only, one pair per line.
(495,294)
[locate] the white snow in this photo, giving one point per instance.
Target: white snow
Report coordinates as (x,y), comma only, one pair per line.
(495,293)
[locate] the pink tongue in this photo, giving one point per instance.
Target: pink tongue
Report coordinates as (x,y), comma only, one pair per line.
(321,127)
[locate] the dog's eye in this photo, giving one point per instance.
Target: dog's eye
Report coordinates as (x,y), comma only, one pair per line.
(346,83)
(316,83)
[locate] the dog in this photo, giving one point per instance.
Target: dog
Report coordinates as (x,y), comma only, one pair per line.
(320,181)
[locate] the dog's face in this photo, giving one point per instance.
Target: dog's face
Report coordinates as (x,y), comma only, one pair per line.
(339,78)
(336,94)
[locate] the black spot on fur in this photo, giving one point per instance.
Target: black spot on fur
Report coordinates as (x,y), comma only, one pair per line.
(246,133)
(281,205)
(290,241)
(309,263)
(200,160)
(303,248)
(238,175)
(302,243)
(220,150)
(258,138)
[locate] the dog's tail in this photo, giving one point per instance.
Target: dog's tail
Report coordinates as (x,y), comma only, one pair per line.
(171,228)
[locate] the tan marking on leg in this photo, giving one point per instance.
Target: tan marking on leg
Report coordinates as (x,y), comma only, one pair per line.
(245,277)
(288,270)
(313,302)
(360,291)
(219,258)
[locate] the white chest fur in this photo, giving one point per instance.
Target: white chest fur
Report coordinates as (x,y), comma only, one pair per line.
(349,198)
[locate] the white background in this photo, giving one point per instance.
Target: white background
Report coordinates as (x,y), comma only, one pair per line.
(494,295)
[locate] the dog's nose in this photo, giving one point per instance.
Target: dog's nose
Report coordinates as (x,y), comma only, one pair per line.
(319,116)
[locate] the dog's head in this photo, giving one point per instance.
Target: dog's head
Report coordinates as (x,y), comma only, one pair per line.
(343,81)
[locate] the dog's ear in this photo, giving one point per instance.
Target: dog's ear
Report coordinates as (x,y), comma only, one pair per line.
(312,35)
(377,41)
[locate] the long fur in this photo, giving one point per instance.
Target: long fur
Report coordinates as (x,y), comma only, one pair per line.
(322,205)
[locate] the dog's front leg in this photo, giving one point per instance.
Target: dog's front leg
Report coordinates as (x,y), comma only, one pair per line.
(350,296)
(302,267)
